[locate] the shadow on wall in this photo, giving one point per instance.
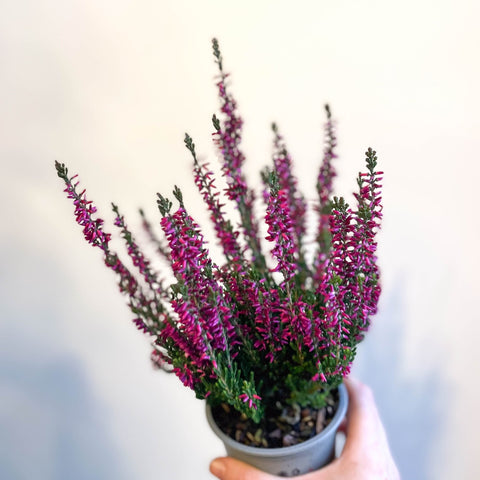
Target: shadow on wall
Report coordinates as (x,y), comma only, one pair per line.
(52,426)
(410,407)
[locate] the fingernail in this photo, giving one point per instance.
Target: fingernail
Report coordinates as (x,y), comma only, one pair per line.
(217,467)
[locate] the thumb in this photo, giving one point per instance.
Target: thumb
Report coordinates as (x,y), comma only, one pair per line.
(227,468)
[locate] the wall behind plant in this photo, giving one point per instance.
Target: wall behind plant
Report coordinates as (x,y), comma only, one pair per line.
(110,88)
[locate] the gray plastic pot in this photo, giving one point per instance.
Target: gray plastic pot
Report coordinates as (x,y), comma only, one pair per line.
(289,461)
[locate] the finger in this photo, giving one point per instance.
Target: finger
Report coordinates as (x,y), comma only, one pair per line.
(227,468)
(364,427)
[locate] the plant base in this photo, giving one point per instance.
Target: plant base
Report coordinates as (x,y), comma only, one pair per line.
(292,460)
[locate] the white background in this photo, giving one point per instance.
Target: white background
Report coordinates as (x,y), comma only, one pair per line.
(109,88)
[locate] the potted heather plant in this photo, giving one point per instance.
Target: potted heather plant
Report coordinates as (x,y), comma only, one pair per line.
(265,339)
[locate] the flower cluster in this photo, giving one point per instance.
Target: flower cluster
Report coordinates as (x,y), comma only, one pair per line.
(254,329)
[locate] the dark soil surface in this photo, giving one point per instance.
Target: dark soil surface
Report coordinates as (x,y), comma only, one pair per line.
(283,426)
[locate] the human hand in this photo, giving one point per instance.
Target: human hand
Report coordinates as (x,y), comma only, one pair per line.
(366,454)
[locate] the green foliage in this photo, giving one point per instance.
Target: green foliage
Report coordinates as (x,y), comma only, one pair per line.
(164,204)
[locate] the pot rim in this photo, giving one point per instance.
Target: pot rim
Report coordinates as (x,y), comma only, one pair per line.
(280,451)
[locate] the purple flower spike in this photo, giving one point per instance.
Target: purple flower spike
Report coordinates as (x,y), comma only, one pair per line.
(227,137)
(140,261)
(350,287)
(203,313)
(206,186)
(84,211)
(280,232)
(325,178)
(288,183)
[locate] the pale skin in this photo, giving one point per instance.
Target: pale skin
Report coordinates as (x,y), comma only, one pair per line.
(366,454)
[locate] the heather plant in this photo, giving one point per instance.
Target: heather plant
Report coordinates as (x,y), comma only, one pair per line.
(265,325)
